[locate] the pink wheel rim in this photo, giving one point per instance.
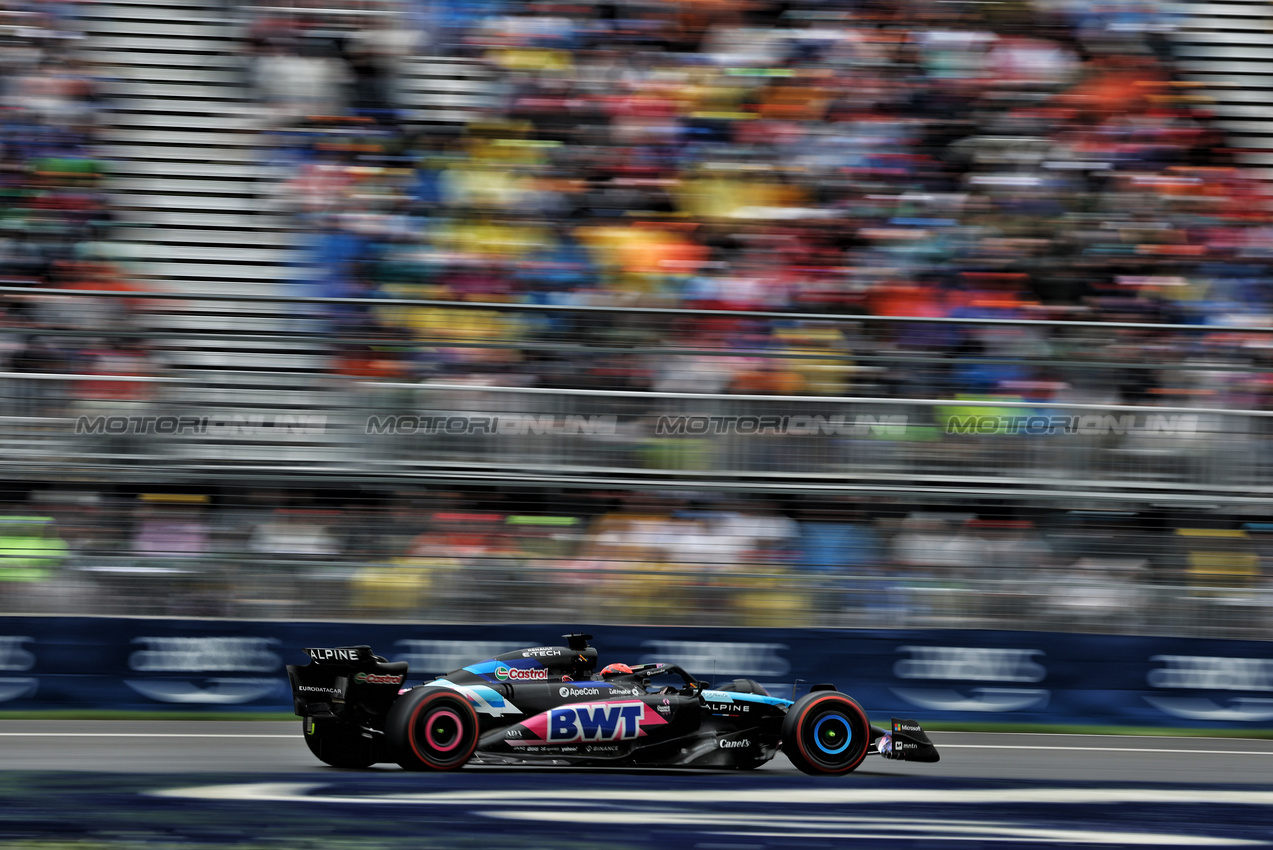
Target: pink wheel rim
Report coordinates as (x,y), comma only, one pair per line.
(444,714)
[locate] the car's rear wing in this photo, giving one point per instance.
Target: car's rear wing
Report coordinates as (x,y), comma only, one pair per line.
(338,676)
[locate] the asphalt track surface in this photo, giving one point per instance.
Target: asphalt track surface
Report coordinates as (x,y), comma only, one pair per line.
(196,784)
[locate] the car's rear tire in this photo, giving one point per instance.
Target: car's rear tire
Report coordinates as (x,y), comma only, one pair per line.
(825,733)
(338,744)
(431,729)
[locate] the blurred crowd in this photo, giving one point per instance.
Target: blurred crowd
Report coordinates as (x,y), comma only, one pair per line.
(884,158)
(55,222)
(879,160)
(613,556)
(54,211)
(641,160)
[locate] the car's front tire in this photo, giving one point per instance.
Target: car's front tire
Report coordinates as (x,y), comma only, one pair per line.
(825,733)
(431,729)
(339,744)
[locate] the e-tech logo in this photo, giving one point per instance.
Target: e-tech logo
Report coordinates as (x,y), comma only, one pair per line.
(14,658)
(592,722)
(542,652)
(516,674)
(196,668)
(972,664)
(1211,673)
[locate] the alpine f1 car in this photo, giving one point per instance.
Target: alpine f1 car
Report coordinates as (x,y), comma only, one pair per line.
(546,706)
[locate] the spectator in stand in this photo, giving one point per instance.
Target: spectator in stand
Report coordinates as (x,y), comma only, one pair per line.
(829,158)
(171,527)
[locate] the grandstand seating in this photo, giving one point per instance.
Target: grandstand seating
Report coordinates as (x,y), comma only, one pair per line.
(1226,48)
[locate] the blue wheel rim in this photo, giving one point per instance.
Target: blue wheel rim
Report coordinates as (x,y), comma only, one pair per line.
(848,734)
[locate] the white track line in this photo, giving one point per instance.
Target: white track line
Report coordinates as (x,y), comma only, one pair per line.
(1104,749)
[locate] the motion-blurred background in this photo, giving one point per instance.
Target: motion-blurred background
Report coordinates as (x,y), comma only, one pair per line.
(723,312)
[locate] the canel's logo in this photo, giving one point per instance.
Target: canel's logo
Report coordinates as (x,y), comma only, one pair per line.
(972,664)
(593,722)
(16,659)
(1212,673)
(191,670)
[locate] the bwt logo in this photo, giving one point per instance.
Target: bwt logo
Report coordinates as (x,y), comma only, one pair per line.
(790,426)
(615,722)
(1212,673)
(972,664)
(514,424)
(596,721)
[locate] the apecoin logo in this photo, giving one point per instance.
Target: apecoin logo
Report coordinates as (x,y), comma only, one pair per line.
(579,692)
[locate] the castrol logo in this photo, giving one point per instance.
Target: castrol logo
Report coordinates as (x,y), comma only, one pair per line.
(378,679)
(514,674)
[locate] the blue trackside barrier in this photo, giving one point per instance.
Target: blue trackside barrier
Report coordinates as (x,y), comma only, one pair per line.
(50,663)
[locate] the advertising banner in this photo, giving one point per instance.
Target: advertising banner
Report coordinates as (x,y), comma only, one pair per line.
(939,675)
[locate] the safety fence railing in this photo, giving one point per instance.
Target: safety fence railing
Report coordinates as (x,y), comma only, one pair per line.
(104,425)
(584,400)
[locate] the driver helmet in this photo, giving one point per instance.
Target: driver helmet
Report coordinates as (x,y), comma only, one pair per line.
(614,670)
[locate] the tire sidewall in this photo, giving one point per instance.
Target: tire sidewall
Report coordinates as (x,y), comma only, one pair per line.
(403,729)
(798,730)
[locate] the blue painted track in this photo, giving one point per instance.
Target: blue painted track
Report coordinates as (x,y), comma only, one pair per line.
(198,786)
(569,809)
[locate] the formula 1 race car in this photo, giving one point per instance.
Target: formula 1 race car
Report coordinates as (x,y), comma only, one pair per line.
(546,706)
